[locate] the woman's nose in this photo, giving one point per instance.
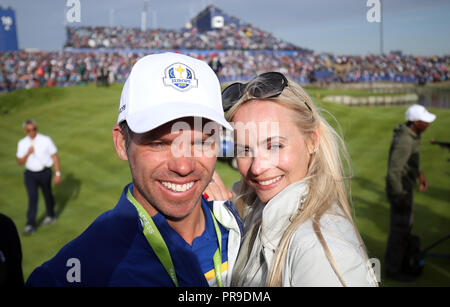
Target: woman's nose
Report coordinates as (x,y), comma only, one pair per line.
(260,164)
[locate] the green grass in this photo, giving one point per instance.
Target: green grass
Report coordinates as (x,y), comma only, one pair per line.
(319,93)
(368,132)
(80,121)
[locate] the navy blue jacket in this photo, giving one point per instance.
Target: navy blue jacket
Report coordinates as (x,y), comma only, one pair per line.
(113,251)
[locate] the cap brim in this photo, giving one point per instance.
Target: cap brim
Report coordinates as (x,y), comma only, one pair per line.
(428,117)
(159,115)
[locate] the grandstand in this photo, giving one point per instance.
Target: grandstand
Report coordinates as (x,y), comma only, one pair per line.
(242,49)
(211,29)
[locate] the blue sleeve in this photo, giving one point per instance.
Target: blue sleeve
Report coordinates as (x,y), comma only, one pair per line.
(41,277)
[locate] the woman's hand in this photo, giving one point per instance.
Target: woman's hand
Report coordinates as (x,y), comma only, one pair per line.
(216,189)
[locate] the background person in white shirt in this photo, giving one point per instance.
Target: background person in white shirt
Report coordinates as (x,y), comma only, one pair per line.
(38,153)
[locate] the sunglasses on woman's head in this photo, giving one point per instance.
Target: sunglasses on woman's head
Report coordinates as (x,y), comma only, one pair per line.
(271,85)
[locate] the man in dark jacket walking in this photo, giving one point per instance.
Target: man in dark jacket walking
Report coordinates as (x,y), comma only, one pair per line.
(403,171)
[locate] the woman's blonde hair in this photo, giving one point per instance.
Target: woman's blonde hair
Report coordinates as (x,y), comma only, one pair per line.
(326,176)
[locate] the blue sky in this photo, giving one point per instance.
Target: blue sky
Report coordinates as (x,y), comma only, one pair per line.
(416,27)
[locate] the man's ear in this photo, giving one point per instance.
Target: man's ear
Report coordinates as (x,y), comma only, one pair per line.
(119,143)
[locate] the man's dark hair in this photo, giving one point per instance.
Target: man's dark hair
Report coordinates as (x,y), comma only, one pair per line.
(126,132)
(28,122)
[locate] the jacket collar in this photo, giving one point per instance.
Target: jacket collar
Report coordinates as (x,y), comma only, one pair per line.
(411,132)
(276,214)
(226,215)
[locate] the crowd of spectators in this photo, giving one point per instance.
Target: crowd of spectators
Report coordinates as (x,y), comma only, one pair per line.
(24,69)
(230,36)
(312,67)
(236,52)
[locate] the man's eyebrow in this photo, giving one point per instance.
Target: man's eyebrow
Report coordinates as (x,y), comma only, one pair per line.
(170,138)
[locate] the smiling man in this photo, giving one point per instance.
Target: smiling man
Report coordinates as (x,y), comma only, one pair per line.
(162,232)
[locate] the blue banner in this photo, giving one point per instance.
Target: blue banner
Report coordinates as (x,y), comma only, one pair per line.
(8,34)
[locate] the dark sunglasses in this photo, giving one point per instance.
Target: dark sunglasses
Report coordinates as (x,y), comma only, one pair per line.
(273,85)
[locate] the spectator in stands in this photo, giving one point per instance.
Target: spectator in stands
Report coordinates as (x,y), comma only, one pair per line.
(215,64)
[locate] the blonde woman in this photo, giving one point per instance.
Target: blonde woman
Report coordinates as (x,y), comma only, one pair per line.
(292,194)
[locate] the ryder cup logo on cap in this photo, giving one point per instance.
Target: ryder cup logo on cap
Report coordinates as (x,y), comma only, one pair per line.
(180,76)
(167,86)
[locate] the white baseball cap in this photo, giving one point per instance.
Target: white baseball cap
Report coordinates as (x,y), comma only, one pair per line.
(418,112)
(166,86)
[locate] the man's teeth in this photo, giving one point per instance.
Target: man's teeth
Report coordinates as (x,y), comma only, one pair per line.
(177,187)
(267,182)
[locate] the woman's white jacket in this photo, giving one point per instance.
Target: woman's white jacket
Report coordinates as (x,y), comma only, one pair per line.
(306,263)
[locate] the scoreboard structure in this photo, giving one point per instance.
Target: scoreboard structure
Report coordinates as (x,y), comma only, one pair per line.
(8,30)
(212,18)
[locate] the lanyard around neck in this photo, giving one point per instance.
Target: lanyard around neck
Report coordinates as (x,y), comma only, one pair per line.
(160,248)
(217,258)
